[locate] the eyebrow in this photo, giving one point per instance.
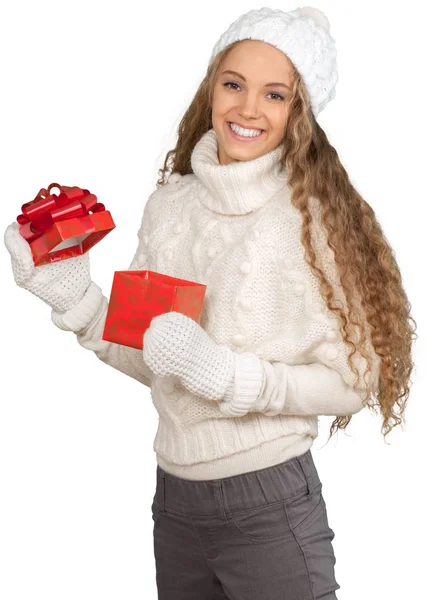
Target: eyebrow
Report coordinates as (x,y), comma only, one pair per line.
(244,79)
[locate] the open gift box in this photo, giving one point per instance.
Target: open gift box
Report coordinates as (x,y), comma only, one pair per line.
(61,226)
(139,296)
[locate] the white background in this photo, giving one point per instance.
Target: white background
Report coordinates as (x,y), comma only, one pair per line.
(91,95)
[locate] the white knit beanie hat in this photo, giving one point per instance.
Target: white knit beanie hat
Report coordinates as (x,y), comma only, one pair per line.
(303,35)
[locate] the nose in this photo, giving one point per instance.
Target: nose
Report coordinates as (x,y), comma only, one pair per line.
(248,107)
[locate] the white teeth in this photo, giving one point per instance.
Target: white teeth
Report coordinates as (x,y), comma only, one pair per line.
(245,132)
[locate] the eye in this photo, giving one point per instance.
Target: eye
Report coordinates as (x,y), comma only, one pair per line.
(275,94)
(228,83)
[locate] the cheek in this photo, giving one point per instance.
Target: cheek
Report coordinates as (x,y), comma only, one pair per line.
(223,100)
(221,104)
(278,118)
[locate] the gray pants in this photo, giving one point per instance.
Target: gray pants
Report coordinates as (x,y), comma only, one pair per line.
(262,535)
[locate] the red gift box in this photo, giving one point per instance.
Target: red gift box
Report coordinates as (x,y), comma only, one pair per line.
(139,296)
(60,226)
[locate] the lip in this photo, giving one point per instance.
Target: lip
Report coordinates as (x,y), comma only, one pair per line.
(242,138)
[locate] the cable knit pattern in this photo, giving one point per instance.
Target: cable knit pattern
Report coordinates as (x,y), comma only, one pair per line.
(303,35)
(233,228)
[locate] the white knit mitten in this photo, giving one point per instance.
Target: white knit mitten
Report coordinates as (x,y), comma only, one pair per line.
(175,344)
(61,284)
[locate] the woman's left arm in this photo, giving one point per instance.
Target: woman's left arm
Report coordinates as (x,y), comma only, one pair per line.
(310,389)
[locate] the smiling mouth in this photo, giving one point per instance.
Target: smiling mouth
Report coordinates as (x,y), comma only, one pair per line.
(245,137)
(249,128)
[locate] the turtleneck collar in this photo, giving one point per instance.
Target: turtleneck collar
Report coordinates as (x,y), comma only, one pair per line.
(241,186)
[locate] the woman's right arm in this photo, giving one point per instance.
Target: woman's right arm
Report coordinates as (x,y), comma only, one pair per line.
(87,319)
(92,310)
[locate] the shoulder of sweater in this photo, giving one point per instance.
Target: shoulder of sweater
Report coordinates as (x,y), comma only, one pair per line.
(175,186)
(169,191)
(324,252)
(176,181)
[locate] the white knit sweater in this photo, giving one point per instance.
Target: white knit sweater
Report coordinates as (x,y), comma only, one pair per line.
(233,228)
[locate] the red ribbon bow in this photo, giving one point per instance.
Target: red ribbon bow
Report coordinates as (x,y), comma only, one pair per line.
(46,209)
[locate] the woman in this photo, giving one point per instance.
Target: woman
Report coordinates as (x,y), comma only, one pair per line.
(304,315)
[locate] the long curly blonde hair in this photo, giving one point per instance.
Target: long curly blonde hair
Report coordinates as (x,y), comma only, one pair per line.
(367,266)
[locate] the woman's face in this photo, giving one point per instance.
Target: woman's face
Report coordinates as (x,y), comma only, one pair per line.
(246,99)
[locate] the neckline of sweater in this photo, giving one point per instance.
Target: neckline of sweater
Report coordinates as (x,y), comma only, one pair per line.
(239,187)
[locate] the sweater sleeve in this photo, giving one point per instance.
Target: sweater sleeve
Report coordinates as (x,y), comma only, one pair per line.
(303,389)
(314,378)
(87,320)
